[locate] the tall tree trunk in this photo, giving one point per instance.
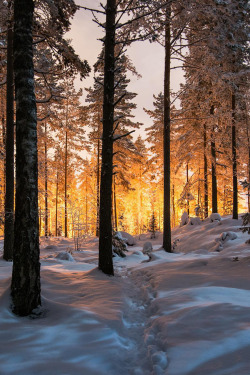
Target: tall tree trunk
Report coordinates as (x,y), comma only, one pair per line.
(3,140)
(57,177)
(248,190)
(98,188)
(199,190)
(214,177)
(86,204)
(187,180)
(173,207)
(115,208)
(105,240)
(46,180)
(66,186)
(9,161)
(234,154)
(166,135)
(25,287)
(205,172)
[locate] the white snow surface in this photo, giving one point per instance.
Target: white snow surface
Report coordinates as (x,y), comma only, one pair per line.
(186,313)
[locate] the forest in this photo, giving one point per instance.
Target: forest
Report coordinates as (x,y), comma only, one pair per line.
(77,166)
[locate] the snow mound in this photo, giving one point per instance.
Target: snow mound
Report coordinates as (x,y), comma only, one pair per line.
(228,236)
(194,221)
(130,240)
(184,219)
(214,217)
(51,247)
(147,248)
(65,256)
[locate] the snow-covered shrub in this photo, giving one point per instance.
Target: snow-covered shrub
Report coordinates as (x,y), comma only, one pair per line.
(147,248)
(64,255)
(119,245)
(184,219)
(246,223)
(152,226)
(228,236)
(128,239)
(214,217)
(194,221)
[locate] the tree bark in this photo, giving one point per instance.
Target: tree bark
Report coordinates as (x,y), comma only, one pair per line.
(57,182)
(115,208)
(105,239)
(46,180)
(234,154)
(25,287)
(187,180)
(166,135)
(98,188)
(214,177)
(66,186)
(248,190)
(205,173)
(9,161)
(86,203)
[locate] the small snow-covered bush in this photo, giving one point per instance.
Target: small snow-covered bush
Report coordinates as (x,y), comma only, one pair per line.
(228,236)
(184,219)
(119,245)
(214,217)
(194,221)
(127,238)
(64,255)
(147,248)
(246,223)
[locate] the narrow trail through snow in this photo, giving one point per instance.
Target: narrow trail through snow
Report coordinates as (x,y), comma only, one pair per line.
(145,355)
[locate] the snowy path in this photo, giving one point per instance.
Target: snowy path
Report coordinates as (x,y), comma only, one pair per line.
(145,354)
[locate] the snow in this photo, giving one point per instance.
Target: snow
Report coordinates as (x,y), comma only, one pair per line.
(186,313)
(214,216)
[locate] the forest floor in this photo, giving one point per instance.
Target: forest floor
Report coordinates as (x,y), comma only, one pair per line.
(186,313)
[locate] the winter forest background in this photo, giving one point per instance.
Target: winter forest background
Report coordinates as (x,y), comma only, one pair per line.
(78,165)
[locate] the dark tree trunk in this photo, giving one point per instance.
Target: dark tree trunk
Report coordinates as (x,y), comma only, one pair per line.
(187,179)
(86,204)
(98,189)
(66,187)
(46,181)
(105,239)
(205,173)
(166,135)
(234,154)
(9,161)
(248,144)
(115,208)
(173,206)
(214,177)
(25,287)
(57,178)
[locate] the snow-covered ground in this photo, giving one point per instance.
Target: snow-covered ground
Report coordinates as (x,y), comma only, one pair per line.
(186,313)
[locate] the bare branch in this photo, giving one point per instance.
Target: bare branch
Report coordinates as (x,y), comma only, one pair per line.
(123,135)
(118,100)
(91,9)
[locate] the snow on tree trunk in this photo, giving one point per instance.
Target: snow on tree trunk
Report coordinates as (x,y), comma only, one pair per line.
(105,239)
(25,287)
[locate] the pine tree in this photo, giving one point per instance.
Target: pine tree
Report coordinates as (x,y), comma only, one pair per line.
(25,287)
(9,158)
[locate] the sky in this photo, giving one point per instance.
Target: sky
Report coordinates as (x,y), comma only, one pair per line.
(148,58)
